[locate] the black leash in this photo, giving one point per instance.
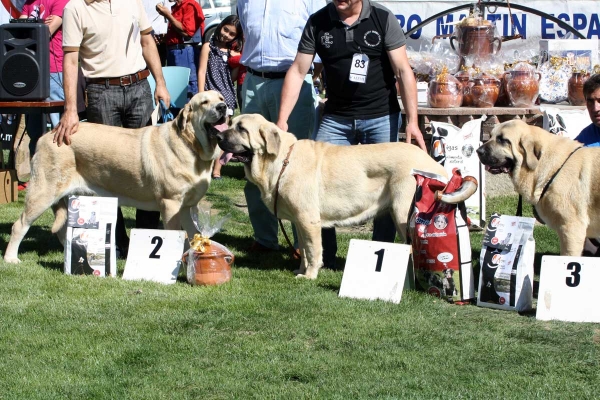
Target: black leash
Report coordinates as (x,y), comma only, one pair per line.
(289,242)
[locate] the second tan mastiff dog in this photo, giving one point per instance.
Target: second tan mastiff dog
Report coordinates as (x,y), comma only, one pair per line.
(324,185)
(555,174)
(162,168)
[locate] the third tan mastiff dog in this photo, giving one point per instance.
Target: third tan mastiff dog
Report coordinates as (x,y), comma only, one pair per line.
(324,185)
(555,174)
(157,168)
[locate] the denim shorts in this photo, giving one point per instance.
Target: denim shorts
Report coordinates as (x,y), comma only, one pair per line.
(349,131)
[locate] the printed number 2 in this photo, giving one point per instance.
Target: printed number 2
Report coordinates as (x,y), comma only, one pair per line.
(575,278)
(379,259)
(158,241)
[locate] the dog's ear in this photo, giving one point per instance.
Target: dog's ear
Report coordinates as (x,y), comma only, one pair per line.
(182,118)
(531,150)
(270,134)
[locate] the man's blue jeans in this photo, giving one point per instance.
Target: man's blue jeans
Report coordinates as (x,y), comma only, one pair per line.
(36,123)
(262,96)
(346,132)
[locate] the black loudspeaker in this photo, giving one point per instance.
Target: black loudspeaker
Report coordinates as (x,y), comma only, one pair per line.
(24,61)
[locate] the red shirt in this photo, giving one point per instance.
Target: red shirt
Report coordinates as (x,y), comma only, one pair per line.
(190,14)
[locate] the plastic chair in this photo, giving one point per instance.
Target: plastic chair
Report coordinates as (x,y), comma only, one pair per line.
(177,79)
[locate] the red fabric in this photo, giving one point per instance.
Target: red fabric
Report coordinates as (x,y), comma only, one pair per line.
(190,14)
(234,62)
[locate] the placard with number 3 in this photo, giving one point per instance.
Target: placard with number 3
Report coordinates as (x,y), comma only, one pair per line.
(375,270)
(154,255)
(568,287)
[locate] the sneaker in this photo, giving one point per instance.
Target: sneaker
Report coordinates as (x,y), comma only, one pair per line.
(23,186)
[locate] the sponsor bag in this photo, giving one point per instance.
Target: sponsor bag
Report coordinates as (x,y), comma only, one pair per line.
(507,256)
(440,240)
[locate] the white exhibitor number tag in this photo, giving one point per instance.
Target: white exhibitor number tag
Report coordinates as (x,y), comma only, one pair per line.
(375,270)
(359,68)
(154,255)
(568,289)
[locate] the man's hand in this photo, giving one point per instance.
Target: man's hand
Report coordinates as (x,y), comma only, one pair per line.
(162,10)
(282,125)
(412,130)
(161,93)
(68,125)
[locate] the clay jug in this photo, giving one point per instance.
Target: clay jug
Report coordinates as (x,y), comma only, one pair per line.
(477,40)
(485,90)
(464,77)
(522,86)
(576,88)
(445,92)
(212,266)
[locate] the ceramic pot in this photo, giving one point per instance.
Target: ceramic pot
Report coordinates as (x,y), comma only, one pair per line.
(211,267)
(523,87)
(445,93)
(476,40)
(575,92)
(485,90)
(464,78)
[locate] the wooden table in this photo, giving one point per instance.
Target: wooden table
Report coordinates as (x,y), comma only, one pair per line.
(458,116)
(28,107)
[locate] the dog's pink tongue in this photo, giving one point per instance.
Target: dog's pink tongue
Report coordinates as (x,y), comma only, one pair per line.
(221,127)
(225,158)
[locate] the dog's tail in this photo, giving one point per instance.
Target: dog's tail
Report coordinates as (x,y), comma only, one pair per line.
(60,215)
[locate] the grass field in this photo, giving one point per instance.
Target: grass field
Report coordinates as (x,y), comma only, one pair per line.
(267,335)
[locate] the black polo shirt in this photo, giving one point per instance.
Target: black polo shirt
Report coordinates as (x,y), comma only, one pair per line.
(374,33)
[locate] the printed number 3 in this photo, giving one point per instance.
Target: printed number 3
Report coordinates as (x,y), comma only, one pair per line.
(379,259)
(158,241)
(575,278)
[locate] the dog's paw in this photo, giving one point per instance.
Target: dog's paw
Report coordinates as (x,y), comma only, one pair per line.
(305,276)
(12,260)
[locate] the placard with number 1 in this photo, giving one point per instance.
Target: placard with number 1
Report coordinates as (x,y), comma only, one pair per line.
(375,270)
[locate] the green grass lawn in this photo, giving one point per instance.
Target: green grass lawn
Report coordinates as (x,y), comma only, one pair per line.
(267,335)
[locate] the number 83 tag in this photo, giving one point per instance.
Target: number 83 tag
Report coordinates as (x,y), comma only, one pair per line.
(359,68)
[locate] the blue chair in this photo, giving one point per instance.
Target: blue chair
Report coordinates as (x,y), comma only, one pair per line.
(177,79)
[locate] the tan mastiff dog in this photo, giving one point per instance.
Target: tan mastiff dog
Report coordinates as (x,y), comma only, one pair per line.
(162,168)
(554,174)
(325,185)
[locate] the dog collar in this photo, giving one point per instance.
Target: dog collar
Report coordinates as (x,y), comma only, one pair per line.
(556,173)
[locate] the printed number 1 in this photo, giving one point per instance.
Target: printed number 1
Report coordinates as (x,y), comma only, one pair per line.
(379,259)
(158,241)
(575,278)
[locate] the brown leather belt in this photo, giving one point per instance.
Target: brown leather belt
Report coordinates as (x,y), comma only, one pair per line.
(125,80)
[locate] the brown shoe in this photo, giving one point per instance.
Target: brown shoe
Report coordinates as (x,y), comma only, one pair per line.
(258,248)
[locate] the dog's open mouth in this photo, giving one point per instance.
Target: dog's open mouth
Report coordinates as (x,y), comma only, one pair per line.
(245,157)
(506,168)
(216,127)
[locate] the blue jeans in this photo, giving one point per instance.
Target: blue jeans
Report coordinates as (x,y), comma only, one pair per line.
(130,107)
(36,123)
(262,96)
(185,58)
(345,132)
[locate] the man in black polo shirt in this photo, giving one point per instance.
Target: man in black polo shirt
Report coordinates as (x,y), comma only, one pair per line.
(363,51)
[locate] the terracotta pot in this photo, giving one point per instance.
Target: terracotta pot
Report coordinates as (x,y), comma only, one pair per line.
(503,99)
(523,87)
(447,93)
(485,91)
(464,78)
(477,40)
(576,88)
(211,267)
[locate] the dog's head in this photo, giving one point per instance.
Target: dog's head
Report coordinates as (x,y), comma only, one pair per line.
(512,145)
(250,135)
(201,119)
